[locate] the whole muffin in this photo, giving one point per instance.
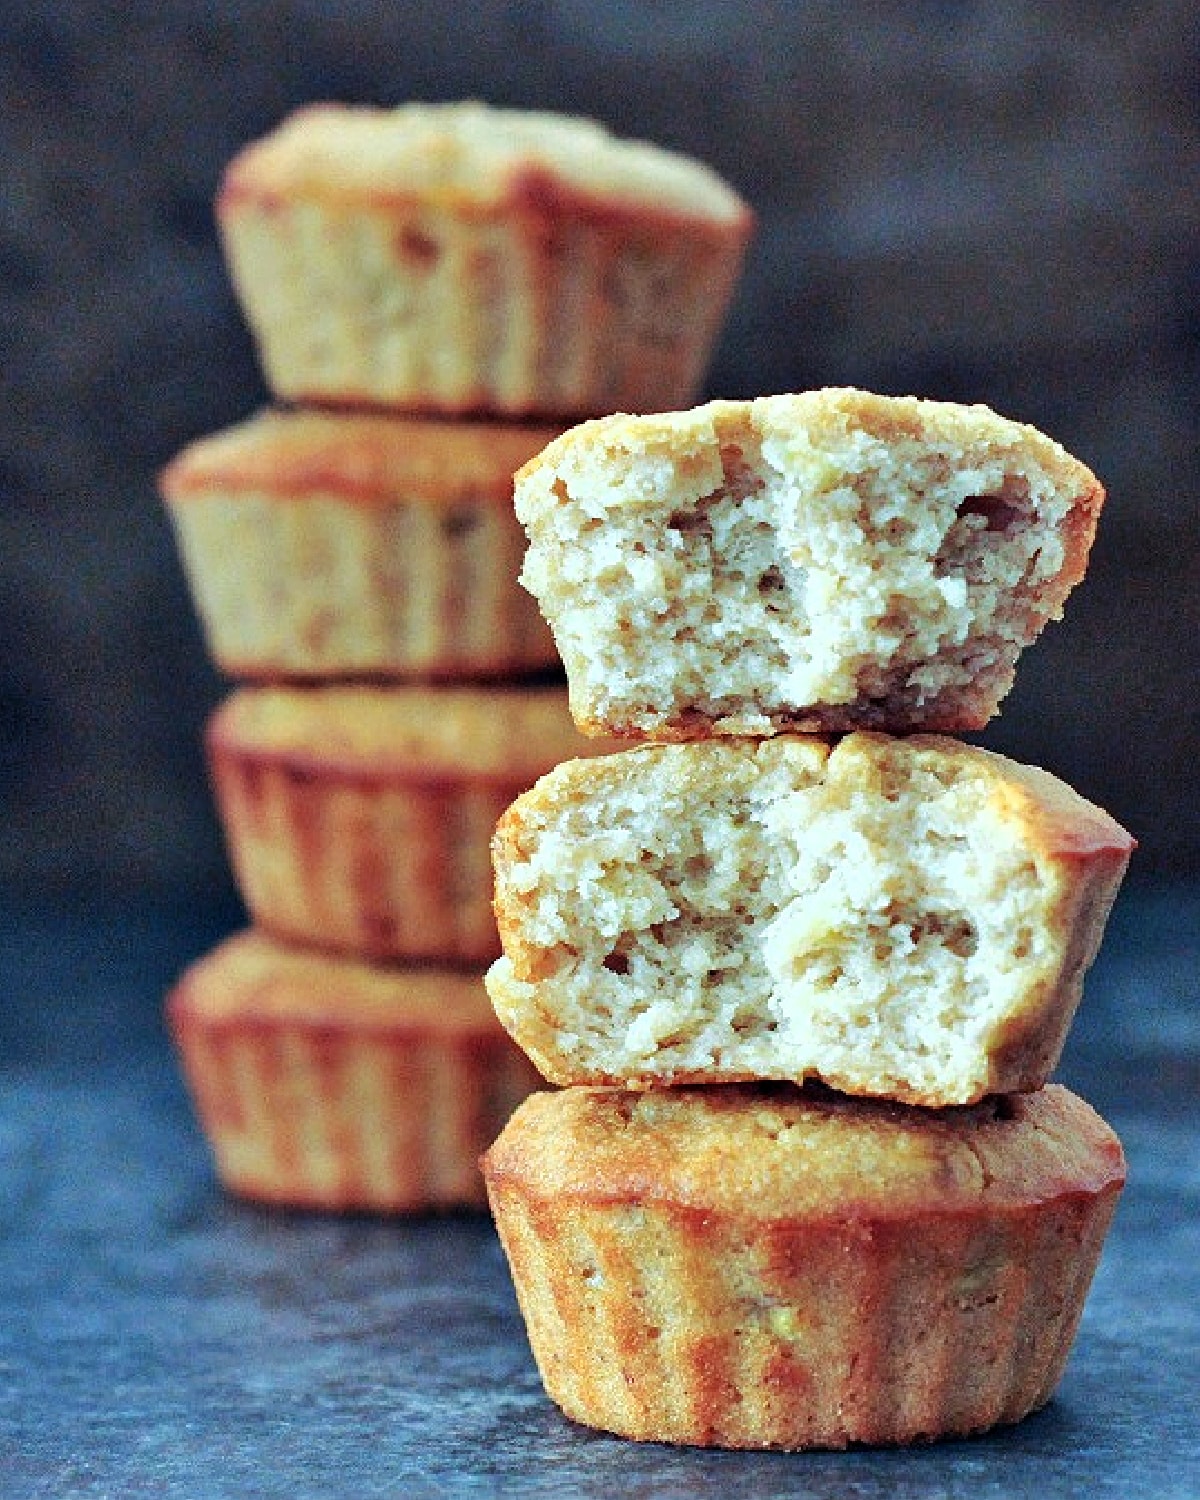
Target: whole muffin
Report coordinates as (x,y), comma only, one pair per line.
(328,1084)
(319,545)
(456,258)
(358,818)
(910,918)
(753,1267)
(826,561)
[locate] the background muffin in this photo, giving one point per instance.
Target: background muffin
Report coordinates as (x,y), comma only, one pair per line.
(320,545)
(359,818)
(456,257)
(331,1084)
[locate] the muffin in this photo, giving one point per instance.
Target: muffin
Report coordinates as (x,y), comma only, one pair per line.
(320,545)
(822,562)
(458,258)
(906,918)
(358,818)
(754,1267)
(328,1084)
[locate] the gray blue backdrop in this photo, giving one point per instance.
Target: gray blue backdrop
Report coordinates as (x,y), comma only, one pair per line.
(990,202)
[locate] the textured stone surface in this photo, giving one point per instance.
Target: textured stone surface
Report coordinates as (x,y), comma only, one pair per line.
(158,1339)
(980,202)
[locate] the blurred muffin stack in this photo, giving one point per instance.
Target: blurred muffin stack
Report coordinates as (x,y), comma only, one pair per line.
(801,891)
(435,290)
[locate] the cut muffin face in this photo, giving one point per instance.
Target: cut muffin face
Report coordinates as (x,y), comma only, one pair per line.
(903,918)
(826,561)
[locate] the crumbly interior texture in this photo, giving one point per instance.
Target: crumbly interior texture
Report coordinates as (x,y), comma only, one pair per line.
(825,561)
(883,916)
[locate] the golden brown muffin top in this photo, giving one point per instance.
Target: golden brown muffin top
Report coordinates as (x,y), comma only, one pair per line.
(250,979)
(468,154)
(357,457)
(780,1153)
(503,733)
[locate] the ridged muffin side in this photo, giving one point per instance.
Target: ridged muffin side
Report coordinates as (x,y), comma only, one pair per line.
(358,818)
(334,545)
(457,258)
(328,1084)
(756,1267)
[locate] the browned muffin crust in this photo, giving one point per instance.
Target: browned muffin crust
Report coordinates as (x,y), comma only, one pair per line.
(361,457)
(759,1267)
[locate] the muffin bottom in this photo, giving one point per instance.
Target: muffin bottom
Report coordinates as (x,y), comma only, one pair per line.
(659,1308)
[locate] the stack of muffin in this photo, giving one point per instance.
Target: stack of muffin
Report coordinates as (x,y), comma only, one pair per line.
(803,963)
(435,291)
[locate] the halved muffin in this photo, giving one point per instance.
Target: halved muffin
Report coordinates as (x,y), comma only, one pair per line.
(827,561)
(907,918)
